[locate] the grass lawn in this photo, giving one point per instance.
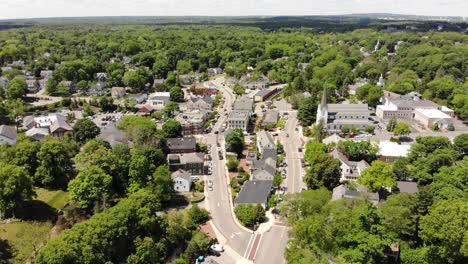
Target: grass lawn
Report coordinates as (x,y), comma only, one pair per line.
(34,230)
(21,236)
(56,199)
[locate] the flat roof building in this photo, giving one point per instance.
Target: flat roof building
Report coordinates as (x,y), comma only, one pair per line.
(239,119)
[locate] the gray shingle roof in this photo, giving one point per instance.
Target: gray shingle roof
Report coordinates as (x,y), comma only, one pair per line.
(254,192)
(406,187)
(181,174)
(8,132)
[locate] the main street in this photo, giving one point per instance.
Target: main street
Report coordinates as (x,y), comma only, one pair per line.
(219,200)
(239,242)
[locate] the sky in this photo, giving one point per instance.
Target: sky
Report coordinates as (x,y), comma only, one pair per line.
(11,9)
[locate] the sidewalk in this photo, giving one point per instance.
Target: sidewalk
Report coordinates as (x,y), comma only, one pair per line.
(265,227)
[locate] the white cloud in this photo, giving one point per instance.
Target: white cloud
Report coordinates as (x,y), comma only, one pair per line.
(68,8)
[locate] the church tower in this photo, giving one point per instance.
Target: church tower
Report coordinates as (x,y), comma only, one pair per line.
(322,110)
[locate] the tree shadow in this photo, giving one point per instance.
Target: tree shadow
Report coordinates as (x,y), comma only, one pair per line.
(37,211)
(6,252)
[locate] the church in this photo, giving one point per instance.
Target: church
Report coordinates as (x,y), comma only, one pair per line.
(336,116)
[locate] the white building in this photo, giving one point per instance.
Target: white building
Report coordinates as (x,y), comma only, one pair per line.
(159,99)
(391,151)
(182,181)
(238,119)
(429,117)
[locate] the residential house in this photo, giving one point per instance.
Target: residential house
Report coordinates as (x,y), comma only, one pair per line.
(238,119)
(113,136)
(350,170)
(118,92)
(157,82)
(391,151)
(335,116)
(191,162)
(59,127)
(138,98)
(270,119)
(231,82)
(33,85)
(100,77)
(206,88)
(352,88)
(182,181)
(68,85)
(181,145)
(254,192)
(214,71)
(37,133)
(265,141)
(8,135)
(6,69)
(200,103)
(159,99)
(188,79)
(263,169)
(46,74)
(344,192)
(192,122)
(17,64)
(97,89)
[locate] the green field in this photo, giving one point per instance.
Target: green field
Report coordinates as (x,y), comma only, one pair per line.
(23,236)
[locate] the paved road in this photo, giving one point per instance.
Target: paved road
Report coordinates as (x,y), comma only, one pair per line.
(219,200)
(272,246)
(294,171)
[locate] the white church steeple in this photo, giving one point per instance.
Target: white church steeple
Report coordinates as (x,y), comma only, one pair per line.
(322,110)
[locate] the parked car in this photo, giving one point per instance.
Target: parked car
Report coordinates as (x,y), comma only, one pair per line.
(210,188)
(217,247)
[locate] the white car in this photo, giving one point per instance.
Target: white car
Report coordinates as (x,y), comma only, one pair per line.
(217,247)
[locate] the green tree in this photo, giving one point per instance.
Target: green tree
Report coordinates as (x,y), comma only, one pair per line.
(84,130)
(401,217)
(307,111)
(90,187)
(198,215)
(198,246)
(238,89)
(16,88)
(134,80)
(298,206)
(461,143)
(345,129)
(324,171)
(235,141)
(250,214)
(357,151)
(401,129)
(55,166)
(170,109)
(370,129)
(379,175)
(177,95)
(15,188)
(172,128)
(370,93)
(442,230)
(391,124)
(232,163)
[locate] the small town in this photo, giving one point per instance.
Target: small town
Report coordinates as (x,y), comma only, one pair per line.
(129,143)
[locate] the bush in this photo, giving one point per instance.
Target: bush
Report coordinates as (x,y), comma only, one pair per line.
(232,163)
(249,214)
(198,215)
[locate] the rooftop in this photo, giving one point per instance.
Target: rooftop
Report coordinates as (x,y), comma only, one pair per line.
(393,149)
(239,115)
(406,187)
(182,174)
(432,113)
(8,132)
(243,103)
(254,192)
(348,108)
(181,143)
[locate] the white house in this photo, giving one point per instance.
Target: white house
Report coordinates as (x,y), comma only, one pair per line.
(159,99)
(182,181)
(8,135)
(391,151)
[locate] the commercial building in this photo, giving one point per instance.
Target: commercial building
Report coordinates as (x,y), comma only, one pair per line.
(411,106)
(190,162)
(254,192)
(181,145)
(239,119)
(192,122)
(391,151)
